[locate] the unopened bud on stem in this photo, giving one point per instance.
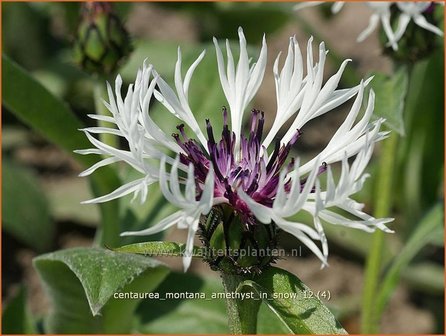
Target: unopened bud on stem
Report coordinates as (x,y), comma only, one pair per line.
(102,41)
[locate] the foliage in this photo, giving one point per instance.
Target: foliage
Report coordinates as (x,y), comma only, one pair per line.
(26,214)
(82,283)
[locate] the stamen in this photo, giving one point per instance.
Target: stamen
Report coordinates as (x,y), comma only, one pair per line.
(296,136)
(322,169)
(274,155)
(210,132)
(225,115)
(176,136)
(254,185)
(260,127)
(183,134)
(254,120)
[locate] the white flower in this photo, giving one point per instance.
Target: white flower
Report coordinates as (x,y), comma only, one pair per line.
(241,171)
(381,14)
(413,11)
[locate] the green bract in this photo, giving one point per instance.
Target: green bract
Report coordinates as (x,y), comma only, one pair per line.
(235,247)
(101,42)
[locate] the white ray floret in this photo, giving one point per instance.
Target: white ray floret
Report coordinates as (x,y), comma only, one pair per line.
(409,10)
(305,96)
(350,138)
(381,13)
(191,209)
(414,11)
(178,103)
(240,82)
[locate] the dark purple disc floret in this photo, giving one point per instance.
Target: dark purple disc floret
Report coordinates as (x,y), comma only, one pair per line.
(252,171)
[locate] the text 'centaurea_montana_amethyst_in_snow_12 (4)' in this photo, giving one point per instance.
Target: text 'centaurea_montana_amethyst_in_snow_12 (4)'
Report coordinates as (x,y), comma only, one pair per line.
(254,187)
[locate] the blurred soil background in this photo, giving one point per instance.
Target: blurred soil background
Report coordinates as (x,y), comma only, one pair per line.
(413,308)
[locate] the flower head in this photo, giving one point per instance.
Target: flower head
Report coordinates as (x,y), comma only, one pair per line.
(254,179)
(382,14)
(101,39)
(414,11)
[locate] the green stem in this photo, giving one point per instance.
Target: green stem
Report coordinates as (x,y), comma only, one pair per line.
(383,205)
(108,234)
(242,313)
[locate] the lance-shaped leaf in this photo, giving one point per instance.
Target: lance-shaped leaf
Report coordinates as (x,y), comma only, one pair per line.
(32,103)
(26,214)
(16,318)
(430,227)
(390,96)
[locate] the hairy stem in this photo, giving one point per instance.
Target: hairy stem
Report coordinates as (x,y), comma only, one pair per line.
(242,313)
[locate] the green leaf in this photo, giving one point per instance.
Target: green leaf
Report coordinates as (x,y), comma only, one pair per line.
(27,28)
(51,117)
(270,323)
(390,96)
(25,210)
(193,315)
(82,283)
(242,310)
(45,113)
(52,81)
(37,107)
(428,229)
(160,248)
(16,318)
(67,206)
(427,277)
(290,299)
(422,150)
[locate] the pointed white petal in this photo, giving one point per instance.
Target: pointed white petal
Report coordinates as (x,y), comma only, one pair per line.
(373,23)
(120,192)
(161,226)
(421,21)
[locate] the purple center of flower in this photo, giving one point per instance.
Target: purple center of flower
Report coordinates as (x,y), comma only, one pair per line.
(253,171)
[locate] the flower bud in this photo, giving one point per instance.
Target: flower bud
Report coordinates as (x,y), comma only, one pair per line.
(416,43)
(101,41)
(235,247)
